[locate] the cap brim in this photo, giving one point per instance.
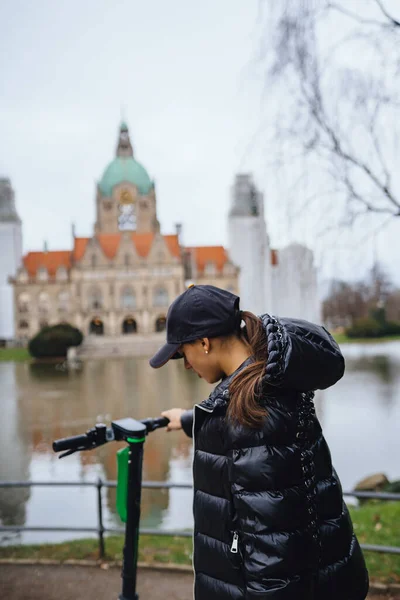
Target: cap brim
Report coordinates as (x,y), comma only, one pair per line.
(164,354)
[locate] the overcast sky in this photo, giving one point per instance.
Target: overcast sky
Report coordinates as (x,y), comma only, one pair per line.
(181,73)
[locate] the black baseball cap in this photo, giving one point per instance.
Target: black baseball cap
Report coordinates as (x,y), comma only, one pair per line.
(201,311)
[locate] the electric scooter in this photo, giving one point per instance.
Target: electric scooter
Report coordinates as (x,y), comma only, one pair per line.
(129,486)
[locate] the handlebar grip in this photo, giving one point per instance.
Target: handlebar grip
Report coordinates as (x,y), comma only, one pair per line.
(161,421)
(70,443)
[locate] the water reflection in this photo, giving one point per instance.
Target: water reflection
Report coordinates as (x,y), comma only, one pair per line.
(361,413)
(41,404)
(14,452)
(360,417)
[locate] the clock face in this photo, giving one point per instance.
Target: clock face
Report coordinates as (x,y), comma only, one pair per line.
(125,197)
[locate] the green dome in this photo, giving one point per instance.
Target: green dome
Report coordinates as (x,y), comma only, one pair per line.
(125,169)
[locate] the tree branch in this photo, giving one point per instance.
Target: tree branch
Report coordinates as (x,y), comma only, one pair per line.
(394,21)
(317,111)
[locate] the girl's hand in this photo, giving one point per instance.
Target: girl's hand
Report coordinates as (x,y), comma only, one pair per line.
(174,416)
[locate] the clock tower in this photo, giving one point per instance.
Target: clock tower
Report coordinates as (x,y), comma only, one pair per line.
(126,199)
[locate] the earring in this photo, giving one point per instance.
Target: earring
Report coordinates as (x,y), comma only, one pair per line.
(205,351)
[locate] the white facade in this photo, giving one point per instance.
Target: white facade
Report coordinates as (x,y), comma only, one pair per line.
(249,245)
(10,257)
(286,286)
(295,285)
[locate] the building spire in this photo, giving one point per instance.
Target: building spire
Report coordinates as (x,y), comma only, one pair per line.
(246,199)
(124,148)
(8,211)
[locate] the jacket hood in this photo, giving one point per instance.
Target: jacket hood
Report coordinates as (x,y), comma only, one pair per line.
(301,355)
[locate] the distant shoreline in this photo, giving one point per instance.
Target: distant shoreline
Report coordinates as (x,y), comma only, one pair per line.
(22,354)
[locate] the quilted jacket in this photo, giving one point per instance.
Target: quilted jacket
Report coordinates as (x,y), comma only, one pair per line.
(270,521)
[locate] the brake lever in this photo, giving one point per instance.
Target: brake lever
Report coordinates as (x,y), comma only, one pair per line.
(67,453)
(72,451)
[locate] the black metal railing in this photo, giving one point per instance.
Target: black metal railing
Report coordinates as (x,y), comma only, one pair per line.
(100,530)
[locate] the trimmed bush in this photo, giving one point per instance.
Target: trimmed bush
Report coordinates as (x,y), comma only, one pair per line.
(392,328)
(54,341)
(365,328)
(373,326)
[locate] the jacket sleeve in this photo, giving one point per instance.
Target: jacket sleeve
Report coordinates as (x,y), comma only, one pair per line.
(301,355)
(265,545)
(187,422)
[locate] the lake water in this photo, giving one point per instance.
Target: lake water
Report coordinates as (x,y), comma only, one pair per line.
(360,417)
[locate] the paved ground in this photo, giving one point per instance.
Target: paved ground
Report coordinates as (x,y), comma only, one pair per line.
(26,582)
(42,582)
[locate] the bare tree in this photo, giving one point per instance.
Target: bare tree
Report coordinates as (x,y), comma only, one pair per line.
(341,111)
(347,301)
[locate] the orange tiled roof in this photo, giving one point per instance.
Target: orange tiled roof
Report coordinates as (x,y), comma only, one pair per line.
(79,247)
(143,243)
(51,260)
(172,242)
(205,254)
(110,242)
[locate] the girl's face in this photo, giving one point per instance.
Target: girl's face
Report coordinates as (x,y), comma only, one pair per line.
(199,358)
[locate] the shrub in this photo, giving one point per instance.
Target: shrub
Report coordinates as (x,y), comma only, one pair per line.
(365,327)
(54,341)
(392,328)
(371,328)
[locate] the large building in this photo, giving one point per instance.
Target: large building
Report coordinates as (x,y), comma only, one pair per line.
(278,281)
(121,279)
(10,257)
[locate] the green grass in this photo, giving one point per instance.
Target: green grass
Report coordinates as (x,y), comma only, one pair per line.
(342,338)
(379,523)
(374,523)
(14,354)
(152,548)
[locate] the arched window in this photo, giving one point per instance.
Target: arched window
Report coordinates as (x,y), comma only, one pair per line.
(160,297)
(161,324)
(24,302)
(63,301)
(62,274)
(93,261)
(128,298)
(95,299)
(127,260)
(42,274)
(129,325)
(44,304)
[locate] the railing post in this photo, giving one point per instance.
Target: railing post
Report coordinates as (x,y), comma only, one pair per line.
(100,518)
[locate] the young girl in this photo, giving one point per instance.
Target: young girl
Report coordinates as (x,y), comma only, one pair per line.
(269,517)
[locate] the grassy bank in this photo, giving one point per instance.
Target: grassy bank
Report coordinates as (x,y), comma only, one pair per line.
(374,523)
(342,338)
(152,548)
(14,354)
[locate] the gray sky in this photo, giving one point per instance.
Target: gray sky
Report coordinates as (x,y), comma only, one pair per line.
(183,73)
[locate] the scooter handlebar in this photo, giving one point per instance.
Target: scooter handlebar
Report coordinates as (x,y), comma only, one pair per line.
(100,434)
(70,443)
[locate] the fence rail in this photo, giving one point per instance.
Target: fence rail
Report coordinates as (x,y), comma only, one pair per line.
(100,530)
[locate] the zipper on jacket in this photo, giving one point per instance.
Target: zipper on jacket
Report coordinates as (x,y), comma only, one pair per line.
(235,543)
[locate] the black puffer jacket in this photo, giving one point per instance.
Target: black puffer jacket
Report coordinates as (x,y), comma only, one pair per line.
(270,521)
